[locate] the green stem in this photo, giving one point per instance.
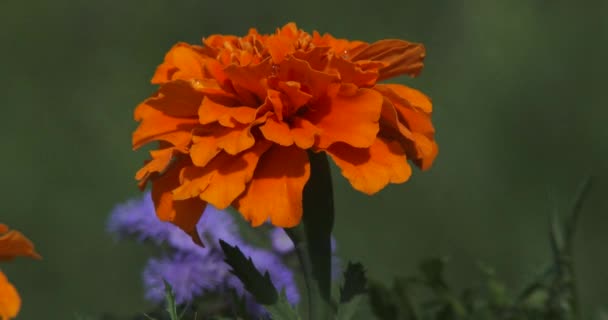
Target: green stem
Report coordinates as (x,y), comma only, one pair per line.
(571,225)
(312,238)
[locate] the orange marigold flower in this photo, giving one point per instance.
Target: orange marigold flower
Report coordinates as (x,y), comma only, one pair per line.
(12,244)
(236,116)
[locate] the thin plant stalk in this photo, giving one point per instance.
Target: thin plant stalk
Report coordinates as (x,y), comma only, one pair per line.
(312,238)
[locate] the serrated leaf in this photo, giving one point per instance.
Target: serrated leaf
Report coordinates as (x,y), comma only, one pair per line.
(260,286)
(355,282)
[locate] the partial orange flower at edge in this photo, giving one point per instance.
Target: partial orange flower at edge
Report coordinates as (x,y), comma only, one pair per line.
(236,116)
(12,244)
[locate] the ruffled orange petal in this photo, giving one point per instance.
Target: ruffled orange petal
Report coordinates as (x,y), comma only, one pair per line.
(351,72)
(304,133)
(351,116)
(419,148)
(212,89)
(232,140)
(301,132)
(425,149)
(10,302)
(161,158)
(274,100)
(182,213)
(276,188)
(283,42)
(157,126)
(203,149)
(251,78)
(211,111)
(168,116)
(399,57)
(277,131)
(391,126)
(223,179)
(279,47)
(316,57)
(413,111)
(316,82)
(183,61)
(342,47)
(210,139)
(406,96)
(294,94)
(178,99)
(13,244)
(369,170)
(218,41)
(405,116)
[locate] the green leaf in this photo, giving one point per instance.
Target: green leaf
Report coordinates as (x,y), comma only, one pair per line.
(260,286)
(557,235)
(392,304)
(281,309)
(355,282)
(382,302)
(572,220)
(170,300)
(432,270)
(347,310)
(239,305)
(496,290)
(149,317)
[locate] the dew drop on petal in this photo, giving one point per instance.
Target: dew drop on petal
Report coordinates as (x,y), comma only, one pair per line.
(345,54)
(275,69)
(197,84)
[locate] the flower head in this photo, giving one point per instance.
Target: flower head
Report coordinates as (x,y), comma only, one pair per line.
(190,269)
(236,117)
(12,244)
(189,274)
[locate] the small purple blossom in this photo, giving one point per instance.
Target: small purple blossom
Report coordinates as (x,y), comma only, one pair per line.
(190,269)
(185,274)
(280,241)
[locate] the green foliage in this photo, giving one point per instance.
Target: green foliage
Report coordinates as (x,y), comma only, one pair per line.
(351,292)
(550,296)
(355,282)
(170,301)
(171,306)
(260,286)
(428,295)
(281,309)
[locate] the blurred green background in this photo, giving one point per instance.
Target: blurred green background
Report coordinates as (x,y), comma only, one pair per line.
(519,90)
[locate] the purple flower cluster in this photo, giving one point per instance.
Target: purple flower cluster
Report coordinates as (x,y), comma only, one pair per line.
(190,269)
